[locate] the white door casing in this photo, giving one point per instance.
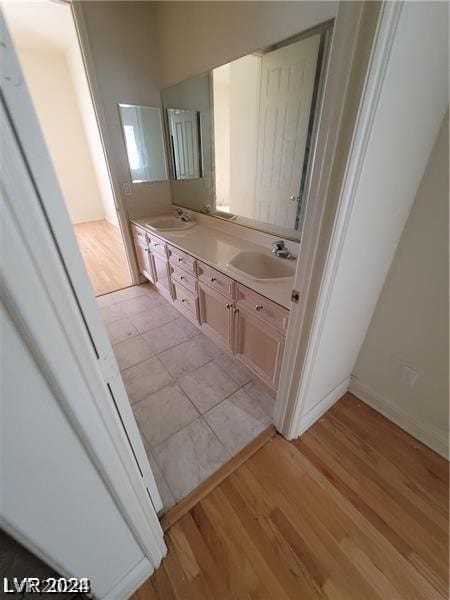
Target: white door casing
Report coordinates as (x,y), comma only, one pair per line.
(287,85)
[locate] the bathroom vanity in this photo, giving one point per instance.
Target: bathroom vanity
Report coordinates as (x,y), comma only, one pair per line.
(193,270)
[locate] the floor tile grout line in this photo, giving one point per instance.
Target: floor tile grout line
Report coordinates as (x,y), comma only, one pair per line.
(200,417)
(173,433)
(130,317)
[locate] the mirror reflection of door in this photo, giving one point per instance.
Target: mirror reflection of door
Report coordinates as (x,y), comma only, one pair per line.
(287,85)
(185,139)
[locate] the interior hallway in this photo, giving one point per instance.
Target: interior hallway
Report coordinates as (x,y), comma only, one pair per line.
(356,509)
(103,252)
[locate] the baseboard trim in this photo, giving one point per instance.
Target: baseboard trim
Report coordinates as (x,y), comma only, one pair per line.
(314,414)
(132,581)
(184,506)
(427,434)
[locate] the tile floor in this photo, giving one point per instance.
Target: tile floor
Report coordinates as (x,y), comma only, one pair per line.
(195,406)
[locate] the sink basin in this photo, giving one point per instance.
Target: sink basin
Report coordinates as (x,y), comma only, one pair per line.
(261,267)
(169,223)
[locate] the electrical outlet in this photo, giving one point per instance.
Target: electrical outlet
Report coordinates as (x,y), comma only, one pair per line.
(408,375)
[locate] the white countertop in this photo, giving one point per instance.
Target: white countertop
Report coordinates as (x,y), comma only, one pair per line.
(216,249)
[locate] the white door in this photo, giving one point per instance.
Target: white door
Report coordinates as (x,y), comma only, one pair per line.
(287,85)
(184,132)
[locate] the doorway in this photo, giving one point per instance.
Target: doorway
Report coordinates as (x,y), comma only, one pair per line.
(46,42)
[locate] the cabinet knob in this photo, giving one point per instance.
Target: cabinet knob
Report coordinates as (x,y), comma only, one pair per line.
(181,277)
(235,310)
(180,259)
(213,279)
(146,250)
(259,307)
(228,306)
(183,299)
(155,244)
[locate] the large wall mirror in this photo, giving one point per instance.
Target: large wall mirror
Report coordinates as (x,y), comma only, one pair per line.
(247,130)
(144,141)
(189,127)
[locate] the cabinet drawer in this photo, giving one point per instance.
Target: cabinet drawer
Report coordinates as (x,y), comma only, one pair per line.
(261,307)
(182,260)
(215,279)
(185,300)
(183,278)
(139,234)
(157,245)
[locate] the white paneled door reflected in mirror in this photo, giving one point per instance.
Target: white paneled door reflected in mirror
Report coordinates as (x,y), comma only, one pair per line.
(257,117)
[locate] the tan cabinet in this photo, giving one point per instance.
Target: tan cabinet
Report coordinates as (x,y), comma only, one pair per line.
(216,313)
(258,345)
(162,276)
(143,253)
(182,260)
(215,279)
(186,301)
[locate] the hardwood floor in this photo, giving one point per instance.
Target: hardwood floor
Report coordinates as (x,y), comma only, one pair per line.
(357,509)
(104,256)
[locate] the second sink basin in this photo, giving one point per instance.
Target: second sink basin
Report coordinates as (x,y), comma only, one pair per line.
(261,267)
(169,223)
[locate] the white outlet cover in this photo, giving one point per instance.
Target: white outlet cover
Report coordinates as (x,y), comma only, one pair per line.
(408,375)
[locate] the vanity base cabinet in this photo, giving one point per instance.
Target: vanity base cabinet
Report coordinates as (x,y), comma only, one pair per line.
(236,318)
(258,346)
(162,277)
(215,315)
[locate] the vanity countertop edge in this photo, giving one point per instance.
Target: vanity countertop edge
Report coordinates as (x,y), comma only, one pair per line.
(216,248)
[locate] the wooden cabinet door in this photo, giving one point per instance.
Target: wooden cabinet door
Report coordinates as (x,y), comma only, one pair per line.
(258,346)
(215,315)
(162,277)
(143,259)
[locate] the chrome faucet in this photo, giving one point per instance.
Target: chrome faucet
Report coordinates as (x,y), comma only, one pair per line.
(183,216)
(280,250)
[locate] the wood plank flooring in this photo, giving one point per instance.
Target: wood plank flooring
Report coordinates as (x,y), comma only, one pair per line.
(356,509)
(103,252)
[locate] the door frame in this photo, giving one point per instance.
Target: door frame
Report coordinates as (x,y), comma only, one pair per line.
(331,195)
(110,436)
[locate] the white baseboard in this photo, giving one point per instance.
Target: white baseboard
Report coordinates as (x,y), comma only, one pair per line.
(425,433)
(131,582)
(322,406)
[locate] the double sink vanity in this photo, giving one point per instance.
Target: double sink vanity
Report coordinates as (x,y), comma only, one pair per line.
(235,290)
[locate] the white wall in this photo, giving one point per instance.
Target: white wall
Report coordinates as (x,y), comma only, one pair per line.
(221,115)
(413,100)
(82,91)
(46,29)
(245,80)
(198,36)
(123,45)
(410,323)
(54,97)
